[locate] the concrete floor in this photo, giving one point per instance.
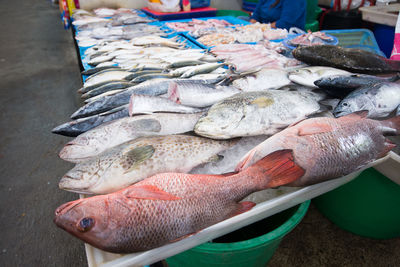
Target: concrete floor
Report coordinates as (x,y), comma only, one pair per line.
(38,80)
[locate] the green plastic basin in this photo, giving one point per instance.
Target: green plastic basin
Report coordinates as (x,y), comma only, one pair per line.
(252,245)
(368,206)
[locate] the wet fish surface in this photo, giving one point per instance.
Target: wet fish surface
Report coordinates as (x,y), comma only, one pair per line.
(167,207)
(350,59)
(342,85)
(108,135)
(197,94)
(308,75)
(79,126)
(379,100)
(151,87)
(328,148)
(262,80)
(142,104)
(256,113)
(138,159)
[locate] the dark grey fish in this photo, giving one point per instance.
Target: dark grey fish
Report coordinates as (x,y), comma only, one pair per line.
(79,126)
(97,69)
(107,87)
(341,85)
(354,60)
(379,100)
(92,87)
(151,88)
(184,63)
(150,76)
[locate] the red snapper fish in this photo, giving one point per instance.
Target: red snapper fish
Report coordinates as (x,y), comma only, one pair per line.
(168,207)
(328,148)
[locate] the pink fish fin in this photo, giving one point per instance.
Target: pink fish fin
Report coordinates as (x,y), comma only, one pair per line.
(315,128)
(279,168)
(295,123)
(243,207)
(183,237)
(245,160)
(148,192)
(173,93)
(387,148)
(355,115)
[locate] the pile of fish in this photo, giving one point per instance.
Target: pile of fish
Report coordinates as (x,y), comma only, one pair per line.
(156,111)
(197,24)
(108,24)
(246,57)
(252,33)
(311,38)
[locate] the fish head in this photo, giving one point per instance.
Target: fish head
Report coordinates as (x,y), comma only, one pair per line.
(85,175)
(350,105)
(82,147)
(219,122)
(87,219)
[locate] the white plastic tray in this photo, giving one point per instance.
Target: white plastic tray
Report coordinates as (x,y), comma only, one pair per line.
(389,166)
(386,15)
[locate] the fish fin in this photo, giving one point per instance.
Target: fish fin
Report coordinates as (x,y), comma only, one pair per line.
(262,102)
(278,168)
(173,93)
(215,158)
(392,126)
(316,128)
(389,145)
(243,207)
(245,160)
(148,192)
(134,157)
(362,114)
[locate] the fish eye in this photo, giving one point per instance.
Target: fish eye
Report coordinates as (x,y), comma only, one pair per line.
(85,224)
(345,104)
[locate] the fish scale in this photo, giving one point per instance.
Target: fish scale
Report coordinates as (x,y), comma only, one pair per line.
(328,148)
(170,206)
(135,160)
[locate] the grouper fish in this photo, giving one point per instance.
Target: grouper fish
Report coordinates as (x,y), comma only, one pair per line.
(350,59)
(257,113)
(328,148)
(138,159)
(170,206)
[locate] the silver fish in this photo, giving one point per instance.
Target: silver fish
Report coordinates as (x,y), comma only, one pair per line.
(105,76)
(308,75)
(256,113)
(328,148)
(199,69)
(136,160)
(380,100)
(262,80)
(108,135)
(197,94)
(142,104)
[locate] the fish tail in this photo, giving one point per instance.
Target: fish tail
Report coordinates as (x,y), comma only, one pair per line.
(391,126)
(276,169)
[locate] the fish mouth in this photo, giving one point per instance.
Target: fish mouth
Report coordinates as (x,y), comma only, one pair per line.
(63,184)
